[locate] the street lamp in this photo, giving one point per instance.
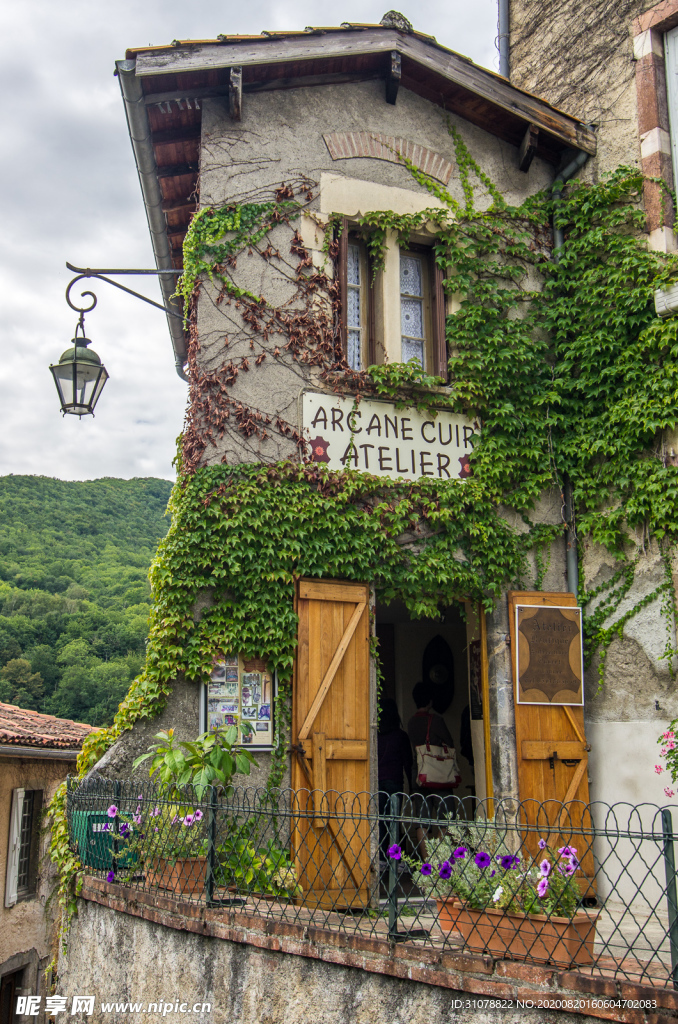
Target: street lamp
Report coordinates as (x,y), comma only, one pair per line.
(80,375)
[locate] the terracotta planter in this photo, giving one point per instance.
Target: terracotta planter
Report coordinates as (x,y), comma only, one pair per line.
(562,941)
(183,875)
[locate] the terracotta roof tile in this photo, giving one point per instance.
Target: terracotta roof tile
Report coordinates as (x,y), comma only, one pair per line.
(32,729)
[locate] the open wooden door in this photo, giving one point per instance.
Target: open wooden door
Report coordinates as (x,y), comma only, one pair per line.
(330,731)
(552,755)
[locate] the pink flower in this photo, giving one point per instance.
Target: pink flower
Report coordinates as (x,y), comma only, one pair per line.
(175,819)
(568,851)
(658,768)
(669,735)
(542,844)
(542,887)
(669,792)
(112,811)
(663,752)
(198,815)
(136,818)
(138,808)
(188,820)
(155,812)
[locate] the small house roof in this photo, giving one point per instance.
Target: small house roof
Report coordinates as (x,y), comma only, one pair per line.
(23,728)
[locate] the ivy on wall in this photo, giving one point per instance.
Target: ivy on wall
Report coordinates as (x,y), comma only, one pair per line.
(565,364)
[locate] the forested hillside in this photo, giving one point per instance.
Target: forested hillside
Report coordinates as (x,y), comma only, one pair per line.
(74,593)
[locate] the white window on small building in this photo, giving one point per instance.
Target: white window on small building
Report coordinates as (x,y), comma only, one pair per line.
(22,853)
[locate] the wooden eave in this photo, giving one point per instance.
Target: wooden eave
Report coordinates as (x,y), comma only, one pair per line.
(176,78)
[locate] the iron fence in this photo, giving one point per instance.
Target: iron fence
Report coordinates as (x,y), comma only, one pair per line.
(590,886)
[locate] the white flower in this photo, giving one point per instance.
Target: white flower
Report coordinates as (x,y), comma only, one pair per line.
(497,893)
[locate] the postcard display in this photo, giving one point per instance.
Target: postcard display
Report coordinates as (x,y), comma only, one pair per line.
(241,692)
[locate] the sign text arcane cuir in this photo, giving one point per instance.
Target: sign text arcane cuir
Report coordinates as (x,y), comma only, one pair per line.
(379,438)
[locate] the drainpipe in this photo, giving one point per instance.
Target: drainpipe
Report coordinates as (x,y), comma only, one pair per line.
(140,136)
(558,242)
(503,38)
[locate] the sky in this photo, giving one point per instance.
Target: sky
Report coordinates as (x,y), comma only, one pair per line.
(70,191)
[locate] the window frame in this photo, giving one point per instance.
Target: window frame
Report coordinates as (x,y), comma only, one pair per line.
(435,346)
(368,345)
(23,846)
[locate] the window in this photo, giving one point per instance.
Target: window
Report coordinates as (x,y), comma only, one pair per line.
(671,53)
(22,859)
(414,308)
(422,311)
(357,305)
(401,313)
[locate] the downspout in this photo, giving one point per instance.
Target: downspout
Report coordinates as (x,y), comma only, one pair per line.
(568,502)
(140,136)
(503,38)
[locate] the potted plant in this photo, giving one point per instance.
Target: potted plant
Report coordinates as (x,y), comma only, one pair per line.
(171,836)
(512,908)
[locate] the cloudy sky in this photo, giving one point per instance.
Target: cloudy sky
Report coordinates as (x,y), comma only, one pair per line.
(70,192)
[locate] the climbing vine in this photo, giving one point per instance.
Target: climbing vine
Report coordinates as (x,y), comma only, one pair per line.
(565,366)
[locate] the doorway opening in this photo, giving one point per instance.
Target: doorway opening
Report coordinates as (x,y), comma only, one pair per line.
(445,654)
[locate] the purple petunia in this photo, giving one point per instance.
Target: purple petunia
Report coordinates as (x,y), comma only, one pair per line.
(445,870)
(460,853)
(545,868)
(136,818)
(542,844)
(188,820)
(155,813)
(482,859)
(508,861)
(394,852)
(426,869)
(110,877)
(198,815)
(542,887)
(112,811)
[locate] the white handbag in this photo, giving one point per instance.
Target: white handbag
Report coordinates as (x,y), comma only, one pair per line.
(437,767)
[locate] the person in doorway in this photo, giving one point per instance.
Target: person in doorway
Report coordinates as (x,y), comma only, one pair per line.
(394,758)
(426,725)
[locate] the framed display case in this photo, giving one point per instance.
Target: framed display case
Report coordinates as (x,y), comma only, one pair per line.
(242,692)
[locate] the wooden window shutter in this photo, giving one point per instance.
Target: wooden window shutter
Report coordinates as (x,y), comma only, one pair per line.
(343,285)
(12,873)
(438,319)
(371,314)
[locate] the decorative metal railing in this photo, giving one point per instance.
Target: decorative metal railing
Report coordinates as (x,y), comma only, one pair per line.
(585,886)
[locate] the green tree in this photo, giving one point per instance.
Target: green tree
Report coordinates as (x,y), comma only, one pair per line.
(20,685)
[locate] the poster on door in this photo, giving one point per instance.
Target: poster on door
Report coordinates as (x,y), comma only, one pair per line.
(240,693)
(549,655)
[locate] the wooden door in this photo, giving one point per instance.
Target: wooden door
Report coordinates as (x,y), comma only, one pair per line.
(552,756)
(330,728)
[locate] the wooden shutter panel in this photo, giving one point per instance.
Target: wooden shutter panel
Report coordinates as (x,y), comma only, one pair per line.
(330,726)
(12,874)
(552,749)
(438,318)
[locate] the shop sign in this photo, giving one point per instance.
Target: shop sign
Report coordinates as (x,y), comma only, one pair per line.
(382,439)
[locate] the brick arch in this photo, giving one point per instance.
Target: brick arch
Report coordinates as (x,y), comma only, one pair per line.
(373,146)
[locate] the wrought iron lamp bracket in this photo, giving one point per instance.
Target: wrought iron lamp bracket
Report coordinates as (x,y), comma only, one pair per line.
(101,275)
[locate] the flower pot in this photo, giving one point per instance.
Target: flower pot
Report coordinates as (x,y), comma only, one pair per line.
(182,875)
(562,941)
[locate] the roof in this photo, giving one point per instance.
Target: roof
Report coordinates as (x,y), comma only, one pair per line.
(163,88)
(24,728)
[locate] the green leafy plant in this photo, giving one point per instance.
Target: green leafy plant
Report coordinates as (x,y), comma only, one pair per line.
(208,761)
(264,869)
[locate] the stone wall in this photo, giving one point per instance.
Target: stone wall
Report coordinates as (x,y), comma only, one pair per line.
(262,971)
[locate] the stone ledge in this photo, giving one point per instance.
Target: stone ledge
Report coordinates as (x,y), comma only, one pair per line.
(472,973)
